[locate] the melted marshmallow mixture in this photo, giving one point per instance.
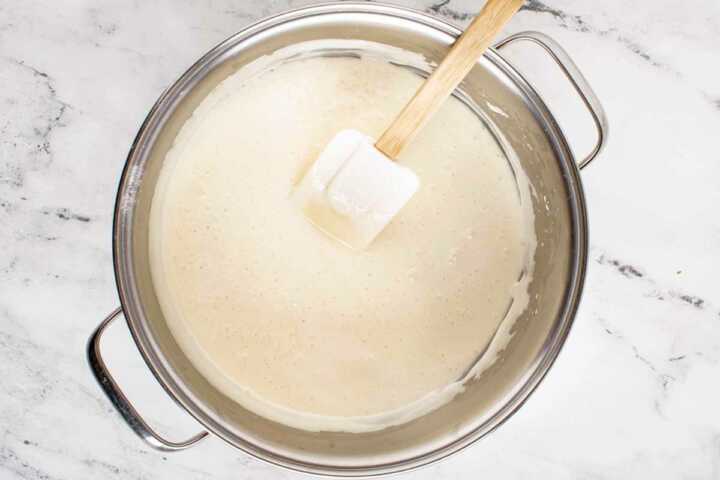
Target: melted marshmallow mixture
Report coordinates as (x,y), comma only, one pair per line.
(288,322)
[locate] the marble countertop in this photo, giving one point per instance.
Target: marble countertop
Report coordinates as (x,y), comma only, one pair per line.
(636,390)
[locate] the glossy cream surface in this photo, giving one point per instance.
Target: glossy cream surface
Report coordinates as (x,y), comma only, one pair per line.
(290,323)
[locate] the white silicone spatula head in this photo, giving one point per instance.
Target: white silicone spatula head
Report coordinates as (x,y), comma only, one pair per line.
(354,189)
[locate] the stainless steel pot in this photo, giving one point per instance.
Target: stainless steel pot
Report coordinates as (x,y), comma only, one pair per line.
(525,128)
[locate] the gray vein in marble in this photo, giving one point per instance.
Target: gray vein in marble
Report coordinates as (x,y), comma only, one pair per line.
(53,93)
(35,138)
(7,207)
(639,51)
(14,348)
(66,214)
(691,300)
(11,462)
(17,348)
(624,268)
(442,8)
(664,371)
(663,379)
(234,12)
(574,22)
(565,20)
(112,469)
(40,231)
(33,473)
(578,24)
(10,266)
(106,28)
(634,272)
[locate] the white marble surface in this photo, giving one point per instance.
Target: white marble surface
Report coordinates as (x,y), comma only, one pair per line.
(634,394)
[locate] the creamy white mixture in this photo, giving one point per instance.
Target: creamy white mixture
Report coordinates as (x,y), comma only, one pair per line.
(297,327)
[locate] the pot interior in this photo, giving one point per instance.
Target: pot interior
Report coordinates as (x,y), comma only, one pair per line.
(528,134)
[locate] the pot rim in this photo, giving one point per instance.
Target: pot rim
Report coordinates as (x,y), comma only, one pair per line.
(122,226)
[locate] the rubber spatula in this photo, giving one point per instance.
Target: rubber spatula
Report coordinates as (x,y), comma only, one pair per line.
(354,189)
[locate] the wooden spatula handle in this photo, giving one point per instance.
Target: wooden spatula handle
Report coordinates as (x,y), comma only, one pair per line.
(456,65)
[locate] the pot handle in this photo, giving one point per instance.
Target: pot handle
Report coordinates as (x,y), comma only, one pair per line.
(120,401)
(577,79)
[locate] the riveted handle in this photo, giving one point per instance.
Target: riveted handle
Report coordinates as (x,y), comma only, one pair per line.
(120,401)
(576,78)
